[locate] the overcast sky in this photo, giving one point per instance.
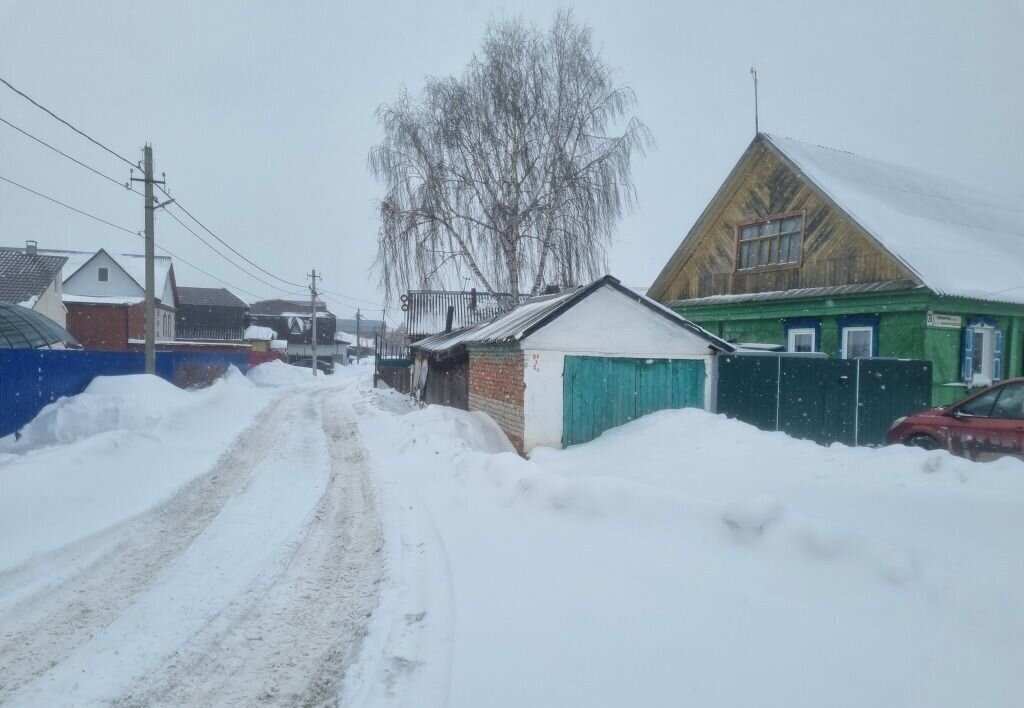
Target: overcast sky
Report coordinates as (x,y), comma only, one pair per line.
(261,114)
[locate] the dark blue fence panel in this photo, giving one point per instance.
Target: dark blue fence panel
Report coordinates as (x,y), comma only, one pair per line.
(32,378)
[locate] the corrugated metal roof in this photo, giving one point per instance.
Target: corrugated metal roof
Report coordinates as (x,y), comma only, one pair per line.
(24,276)
(427,310)
(536,312)
(826,291)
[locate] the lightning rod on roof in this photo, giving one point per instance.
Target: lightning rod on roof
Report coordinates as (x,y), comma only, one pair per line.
(753,72)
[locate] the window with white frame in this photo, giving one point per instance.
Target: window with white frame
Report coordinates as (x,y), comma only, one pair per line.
(858,342)
(982,352)
(801,339)
(103,275)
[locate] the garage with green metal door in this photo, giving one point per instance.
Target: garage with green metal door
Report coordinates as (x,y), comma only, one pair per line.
(600,393)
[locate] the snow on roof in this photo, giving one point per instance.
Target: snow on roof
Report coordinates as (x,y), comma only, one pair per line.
(133,264)
(534,313)
(263,334)
(957,239)
(103,299)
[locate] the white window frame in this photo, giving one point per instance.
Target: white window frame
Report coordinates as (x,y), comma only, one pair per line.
(103,275)
(988,361)
(858,328)
(797,331)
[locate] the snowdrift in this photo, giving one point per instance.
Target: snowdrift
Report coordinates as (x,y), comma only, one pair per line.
(686,558)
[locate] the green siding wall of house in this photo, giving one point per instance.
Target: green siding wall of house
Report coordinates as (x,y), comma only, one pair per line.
(903,331)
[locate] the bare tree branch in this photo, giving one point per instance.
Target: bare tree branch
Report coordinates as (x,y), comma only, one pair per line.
(513,170)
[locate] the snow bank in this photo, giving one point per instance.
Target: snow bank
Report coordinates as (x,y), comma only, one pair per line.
(686,558)
(132,402)
(126,444)
(277,373)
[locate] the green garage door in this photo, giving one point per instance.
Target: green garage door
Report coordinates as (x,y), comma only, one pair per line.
(601,392)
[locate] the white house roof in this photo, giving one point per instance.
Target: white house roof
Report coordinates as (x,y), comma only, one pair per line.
(958,240)
(131,263)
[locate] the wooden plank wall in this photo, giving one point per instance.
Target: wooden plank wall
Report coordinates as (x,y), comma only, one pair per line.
(836,251)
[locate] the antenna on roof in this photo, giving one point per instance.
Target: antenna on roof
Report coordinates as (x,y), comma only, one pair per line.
(753,72)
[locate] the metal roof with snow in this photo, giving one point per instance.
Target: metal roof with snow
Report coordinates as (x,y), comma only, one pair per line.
(540,311)
(958,239)
(25,275)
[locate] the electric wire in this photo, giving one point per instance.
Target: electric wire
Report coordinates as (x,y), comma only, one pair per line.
(228,245)
(206,243)
(85,135)
(126,230)
(68,206)
(64,154)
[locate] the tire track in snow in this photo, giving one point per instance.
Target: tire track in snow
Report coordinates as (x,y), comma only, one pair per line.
(288,645)
(41,630)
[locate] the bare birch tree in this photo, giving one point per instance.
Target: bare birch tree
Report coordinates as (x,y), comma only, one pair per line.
(513,174)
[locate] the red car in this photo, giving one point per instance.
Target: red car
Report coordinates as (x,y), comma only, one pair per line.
(988,424)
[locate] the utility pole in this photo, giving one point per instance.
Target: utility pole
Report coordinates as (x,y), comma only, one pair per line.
(312,302)
(151,206)
(359,317)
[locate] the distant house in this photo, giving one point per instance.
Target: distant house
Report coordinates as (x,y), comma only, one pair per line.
(210,314)
(33,280)
(819,250)
(105,297)
(292,320)
(562,368)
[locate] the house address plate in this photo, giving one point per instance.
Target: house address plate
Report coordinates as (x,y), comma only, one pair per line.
(948,321)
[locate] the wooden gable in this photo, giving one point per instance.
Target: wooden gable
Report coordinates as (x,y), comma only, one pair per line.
(835,249)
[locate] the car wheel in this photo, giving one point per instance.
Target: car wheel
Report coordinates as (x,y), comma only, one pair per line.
(925,442)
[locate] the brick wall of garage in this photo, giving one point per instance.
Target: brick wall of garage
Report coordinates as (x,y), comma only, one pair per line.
(496,388)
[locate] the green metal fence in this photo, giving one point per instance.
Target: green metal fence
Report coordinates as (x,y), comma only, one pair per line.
(851,401)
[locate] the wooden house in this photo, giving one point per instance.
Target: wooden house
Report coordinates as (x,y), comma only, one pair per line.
(816,249)
(562,368)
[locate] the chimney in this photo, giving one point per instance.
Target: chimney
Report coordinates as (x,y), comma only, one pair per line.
(31,247)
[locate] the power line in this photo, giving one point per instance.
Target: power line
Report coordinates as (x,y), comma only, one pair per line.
(230,247)
(129,231)
(54,115)
(211,247)
(61,152)
(208,274)
(354,299)
(68,206)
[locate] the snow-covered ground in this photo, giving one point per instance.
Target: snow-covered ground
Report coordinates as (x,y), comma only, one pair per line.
(300,541)
(686,559)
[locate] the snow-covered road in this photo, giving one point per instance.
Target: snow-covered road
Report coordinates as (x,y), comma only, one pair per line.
(281,542)
(252,585)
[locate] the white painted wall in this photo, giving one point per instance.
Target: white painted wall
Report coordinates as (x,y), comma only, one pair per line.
(86,281)
(607,323)
(51,304)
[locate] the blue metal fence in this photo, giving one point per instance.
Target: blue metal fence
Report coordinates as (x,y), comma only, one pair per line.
(32,378)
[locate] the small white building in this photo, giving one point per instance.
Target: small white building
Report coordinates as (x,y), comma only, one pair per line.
(561,369)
